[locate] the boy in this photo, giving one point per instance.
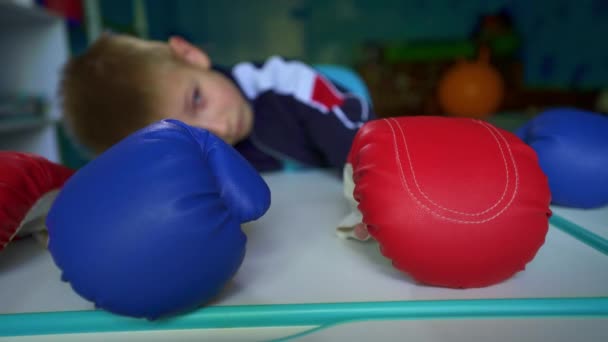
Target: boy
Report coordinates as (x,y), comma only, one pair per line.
(272,113)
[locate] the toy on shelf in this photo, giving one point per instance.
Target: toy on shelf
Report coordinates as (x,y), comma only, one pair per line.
(453,202)
(572,147)
(403,76)
(471,88)
(28,186)
(151,227)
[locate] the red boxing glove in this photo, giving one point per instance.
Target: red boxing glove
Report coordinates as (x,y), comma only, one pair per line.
(453,202)
(28,186)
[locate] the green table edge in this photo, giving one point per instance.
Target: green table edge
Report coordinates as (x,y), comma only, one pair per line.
(580,233)
(278,315)
(321,314)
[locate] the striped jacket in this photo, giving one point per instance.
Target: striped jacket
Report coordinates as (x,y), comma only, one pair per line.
(300,117)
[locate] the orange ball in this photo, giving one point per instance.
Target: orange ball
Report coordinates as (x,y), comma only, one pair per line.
(471,88)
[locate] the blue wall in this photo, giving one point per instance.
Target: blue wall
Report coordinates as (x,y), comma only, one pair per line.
(563,40)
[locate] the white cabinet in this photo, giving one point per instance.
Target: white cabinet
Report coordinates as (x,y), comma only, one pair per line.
(33,49)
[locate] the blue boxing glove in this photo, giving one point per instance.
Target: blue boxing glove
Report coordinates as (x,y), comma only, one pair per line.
(572,148)
(151,227)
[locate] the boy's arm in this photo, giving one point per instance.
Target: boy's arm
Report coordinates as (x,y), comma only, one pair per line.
(333,132)
(317,117)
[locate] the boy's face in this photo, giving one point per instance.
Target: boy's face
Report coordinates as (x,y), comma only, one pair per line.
(202,97)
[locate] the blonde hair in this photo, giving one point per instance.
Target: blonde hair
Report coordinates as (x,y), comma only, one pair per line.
(109,91)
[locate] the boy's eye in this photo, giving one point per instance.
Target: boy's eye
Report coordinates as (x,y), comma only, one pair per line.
(197,97)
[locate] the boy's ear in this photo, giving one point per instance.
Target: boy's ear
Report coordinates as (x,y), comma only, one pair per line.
(189,53)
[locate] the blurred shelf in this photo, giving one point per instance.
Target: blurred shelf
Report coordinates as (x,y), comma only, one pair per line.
(34,45)
(15,14)
(14,126)
(510,121)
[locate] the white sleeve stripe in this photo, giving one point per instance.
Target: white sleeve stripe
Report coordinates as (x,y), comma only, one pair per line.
(289,78)
(344,119)
(364,108)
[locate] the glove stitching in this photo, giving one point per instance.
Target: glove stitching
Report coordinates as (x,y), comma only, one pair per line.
(404,182)
(502,197)
(452,210)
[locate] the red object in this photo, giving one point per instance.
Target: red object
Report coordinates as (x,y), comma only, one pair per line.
(25,179)
(325,94)
(69,9)
(453,202)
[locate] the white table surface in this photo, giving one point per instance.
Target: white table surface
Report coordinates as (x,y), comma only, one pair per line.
(293,256)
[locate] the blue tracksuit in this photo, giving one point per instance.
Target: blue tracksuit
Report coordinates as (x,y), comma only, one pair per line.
(299,116)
